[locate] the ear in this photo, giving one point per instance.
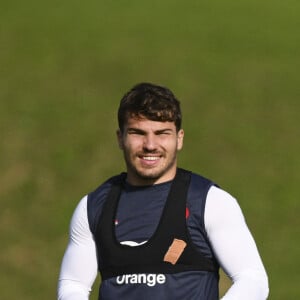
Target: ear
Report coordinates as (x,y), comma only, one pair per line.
(180,135)
(120,139)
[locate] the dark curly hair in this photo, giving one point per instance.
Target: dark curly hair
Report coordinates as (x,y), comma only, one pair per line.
(150,101)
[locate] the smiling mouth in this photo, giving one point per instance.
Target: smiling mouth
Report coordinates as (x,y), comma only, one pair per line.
(151,158)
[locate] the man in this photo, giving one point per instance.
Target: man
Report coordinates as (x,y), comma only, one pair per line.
(158,231)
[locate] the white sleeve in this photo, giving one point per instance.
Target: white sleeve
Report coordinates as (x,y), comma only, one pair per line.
(79,265)
(234,247)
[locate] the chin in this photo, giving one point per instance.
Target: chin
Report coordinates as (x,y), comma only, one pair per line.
(148,175)
(151,174)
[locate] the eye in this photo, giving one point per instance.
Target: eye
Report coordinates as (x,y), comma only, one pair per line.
(135,132)
(164,132)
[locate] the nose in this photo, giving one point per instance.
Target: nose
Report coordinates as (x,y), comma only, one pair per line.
(149,143)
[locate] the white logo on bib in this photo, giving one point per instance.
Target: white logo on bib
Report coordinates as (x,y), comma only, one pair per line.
(149,279)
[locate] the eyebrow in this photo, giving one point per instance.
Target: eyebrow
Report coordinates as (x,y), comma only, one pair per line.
(166,130)
(140,131)
(135,130)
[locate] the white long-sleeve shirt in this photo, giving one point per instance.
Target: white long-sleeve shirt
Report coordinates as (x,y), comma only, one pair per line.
(230,238)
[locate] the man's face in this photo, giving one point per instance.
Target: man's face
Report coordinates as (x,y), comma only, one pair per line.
(150,149)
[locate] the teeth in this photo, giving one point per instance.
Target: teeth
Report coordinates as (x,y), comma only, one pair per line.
(150,157)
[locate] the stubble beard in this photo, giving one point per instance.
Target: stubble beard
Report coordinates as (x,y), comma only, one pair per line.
(150,174)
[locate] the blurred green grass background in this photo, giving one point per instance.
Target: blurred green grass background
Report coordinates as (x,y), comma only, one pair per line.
(64,65)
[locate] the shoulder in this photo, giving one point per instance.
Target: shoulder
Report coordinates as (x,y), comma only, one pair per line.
(199,187)
(219,200)
(96,199)
(197,196)
(79,227)
(201,180)
(222,208)
(116,179)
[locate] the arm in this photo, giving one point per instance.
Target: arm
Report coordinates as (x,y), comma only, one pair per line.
(79,265)
(234,247)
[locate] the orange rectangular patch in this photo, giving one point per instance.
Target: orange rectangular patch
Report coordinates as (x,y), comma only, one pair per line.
(175,251)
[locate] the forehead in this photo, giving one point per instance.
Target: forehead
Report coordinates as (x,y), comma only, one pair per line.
(148,125)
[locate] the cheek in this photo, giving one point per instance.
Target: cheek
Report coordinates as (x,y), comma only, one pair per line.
(170,146)
(131,145)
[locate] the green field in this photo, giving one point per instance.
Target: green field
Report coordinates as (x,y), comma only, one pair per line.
(64,65)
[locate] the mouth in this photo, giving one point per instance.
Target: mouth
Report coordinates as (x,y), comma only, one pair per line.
(150,160)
